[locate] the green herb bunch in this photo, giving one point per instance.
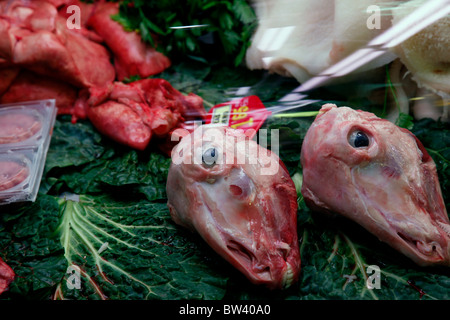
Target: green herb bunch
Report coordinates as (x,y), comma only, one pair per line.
(203,30)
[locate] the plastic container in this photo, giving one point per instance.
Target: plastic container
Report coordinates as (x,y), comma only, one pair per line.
(25,134)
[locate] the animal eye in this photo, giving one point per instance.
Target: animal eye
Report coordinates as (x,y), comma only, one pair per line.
(209,157)
(358,139)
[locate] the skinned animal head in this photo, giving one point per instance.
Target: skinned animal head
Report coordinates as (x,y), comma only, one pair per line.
(240,198)
(380,176)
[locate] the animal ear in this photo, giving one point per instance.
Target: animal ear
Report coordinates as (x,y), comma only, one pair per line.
(425,155)
(326,107)
(431,185)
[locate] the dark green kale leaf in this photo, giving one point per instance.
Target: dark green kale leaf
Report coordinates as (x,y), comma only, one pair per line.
(435,136)
(405,121)
(80,142)
(28,244)
(291,133)
(80,160)
(120,250)
(132,250)
(105,216)
(124,174)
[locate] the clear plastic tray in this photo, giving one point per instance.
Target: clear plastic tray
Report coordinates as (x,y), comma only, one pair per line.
(25,134)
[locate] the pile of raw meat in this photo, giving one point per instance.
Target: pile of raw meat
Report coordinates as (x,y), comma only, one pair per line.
(45,54)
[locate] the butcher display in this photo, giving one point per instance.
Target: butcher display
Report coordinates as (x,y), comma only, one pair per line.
(43,57)
(379,175)
(240,198)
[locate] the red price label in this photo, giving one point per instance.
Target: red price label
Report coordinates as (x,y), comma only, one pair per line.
(245,113)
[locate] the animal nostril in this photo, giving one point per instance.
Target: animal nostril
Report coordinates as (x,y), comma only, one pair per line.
(235,190)
(239,185)
(266,270)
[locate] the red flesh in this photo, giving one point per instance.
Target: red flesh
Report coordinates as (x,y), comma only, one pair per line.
(41,58)
(12,173)
(6,276)
(131,55)
(132,113)
(248,218)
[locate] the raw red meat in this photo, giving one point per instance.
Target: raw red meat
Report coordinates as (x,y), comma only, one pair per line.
(6,276)
(7,76)
(131,55)
(17,126)
(12,173)
(37,87)
(58,3)
(65,10)
(35,37)
(41,57)
(133,113)
(121,123)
